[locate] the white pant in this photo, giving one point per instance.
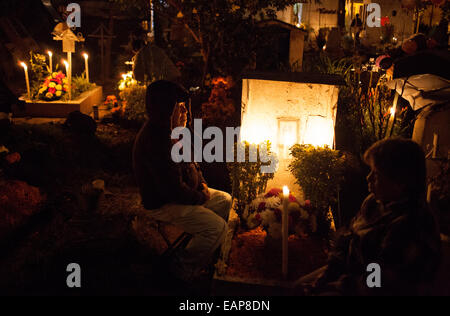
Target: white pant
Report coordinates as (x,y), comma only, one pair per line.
(206,223)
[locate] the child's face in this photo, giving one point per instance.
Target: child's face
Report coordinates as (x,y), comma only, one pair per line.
(179,115)
(384,188)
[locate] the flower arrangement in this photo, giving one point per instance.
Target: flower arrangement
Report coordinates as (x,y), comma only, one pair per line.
(111,102)
(54,87)
(220,105)
(266,211)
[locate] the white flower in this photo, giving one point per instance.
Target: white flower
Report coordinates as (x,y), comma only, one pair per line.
(267,217)
(255,203)
(273,202)
(275,230)
(252,222)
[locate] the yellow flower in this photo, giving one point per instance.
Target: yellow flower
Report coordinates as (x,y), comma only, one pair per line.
(58,93)
(65,81)
(58,87)
(52,85)
(54,74)
(49,95)
(42,90)
(66,86)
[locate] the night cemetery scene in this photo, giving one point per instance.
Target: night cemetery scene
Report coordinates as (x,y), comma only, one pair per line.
(224,148)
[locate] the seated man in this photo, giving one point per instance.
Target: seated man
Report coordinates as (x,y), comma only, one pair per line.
(394,229)
(176,193)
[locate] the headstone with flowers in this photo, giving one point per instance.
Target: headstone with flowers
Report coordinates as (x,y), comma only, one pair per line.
(55,93)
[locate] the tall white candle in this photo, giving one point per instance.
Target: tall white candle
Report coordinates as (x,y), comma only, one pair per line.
(86,65)
(50,58)
(25,68)
(285,232)
(69,57)
(68,78)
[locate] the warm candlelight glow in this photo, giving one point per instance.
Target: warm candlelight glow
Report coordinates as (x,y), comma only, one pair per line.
(27,80)
(86,65)
(285,191)
(392,111)
(66,64)
(50,54)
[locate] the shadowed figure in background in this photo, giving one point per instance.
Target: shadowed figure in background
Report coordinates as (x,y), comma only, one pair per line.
(394,228)
(7,100)
(356,28)
(177,193)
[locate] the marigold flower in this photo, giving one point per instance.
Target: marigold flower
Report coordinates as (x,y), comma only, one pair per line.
(13,158)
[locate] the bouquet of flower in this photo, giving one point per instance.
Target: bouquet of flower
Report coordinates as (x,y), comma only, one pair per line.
(266,211)
(54,87)
(111,102)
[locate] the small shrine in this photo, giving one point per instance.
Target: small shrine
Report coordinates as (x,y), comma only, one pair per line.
(58,95)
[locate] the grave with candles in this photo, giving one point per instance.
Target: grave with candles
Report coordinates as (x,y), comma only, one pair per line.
(285,109)
(55,105)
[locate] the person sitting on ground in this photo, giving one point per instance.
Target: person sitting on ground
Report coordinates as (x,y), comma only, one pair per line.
(177,193)
(394,229)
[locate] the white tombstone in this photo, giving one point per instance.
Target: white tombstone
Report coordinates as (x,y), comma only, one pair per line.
(288,109)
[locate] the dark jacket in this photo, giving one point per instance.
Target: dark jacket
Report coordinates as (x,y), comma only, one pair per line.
(160,180)
(402,237)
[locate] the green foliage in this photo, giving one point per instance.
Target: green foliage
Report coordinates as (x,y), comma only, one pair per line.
(364,102)
(247,180)
(79,86)
(223,31)
(38,72)
(319,172)
(133,102)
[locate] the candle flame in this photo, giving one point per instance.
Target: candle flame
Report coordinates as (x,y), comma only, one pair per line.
(86,56)
(285,191)
(392,111)
(24,65)
(50,53)
(66,63)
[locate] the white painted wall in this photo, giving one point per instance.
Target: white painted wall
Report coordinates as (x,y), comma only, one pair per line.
(265,101)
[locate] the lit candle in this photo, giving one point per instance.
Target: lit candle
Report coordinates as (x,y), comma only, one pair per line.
(25,68)
(50,58)
(285,232)
(69,90)
(86,65)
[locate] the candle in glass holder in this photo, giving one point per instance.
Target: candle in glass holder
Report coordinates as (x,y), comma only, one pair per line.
(285,231)
(27,80)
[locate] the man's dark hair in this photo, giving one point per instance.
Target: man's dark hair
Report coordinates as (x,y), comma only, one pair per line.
(401,160)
